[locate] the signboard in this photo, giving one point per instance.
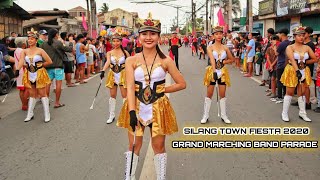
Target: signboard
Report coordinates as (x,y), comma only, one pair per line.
(298,6)
(312,1)
(315,7)
(282,7)
(266,7)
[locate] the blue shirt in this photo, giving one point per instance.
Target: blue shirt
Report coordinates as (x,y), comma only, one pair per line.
(252,51)
(282,53)
(81,58)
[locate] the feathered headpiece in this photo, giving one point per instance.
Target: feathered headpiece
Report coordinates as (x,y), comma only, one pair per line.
(299,30)
(217,29)
(33,33)
(149,24)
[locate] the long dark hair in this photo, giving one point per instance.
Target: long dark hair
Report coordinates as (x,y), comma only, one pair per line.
(51,35)
(124,52)
(159,51)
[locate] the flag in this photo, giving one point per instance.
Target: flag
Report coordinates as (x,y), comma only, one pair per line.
(220,18)
(84,22)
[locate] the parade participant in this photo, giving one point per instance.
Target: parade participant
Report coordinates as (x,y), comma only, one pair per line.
(186,41)
(220,55)
(21,44)
(116,59)
(297,73)
(174,45)
(35,78)
(138,46)
(203,46)
(147,103)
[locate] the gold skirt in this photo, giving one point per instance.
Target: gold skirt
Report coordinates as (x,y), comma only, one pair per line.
(290,79)
(42,79)
(163,118)
(111,81)
(208,77)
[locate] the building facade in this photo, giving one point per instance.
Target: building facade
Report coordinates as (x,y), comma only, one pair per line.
(11,18)
(120,17)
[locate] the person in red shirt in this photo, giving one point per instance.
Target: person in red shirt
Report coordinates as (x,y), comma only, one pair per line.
(203,48)
(186,41)
(108,45)
(195,44)
(174,45)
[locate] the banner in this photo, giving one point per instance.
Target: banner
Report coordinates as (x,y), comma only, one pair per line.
(220,18)
(282,7)
(266,7)
(298,6)
(312,1)
(84,22)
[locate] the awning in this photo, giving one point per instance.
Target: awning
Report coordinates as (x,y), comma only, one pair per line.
(50,26)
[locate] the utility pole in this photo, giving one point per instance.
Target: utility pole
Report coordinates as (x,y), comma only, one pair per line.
(193,15)
(211,15)
(230,15)
(89,18)
(250,15)
(207,2)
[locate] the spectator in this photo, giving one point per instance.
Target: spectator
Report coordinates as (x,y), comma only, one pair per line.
(125,41)
(281,63)
(271,65)
(21,44)
(69,61)
(56,51)
(258,60)
(250,53)
(130,46)
(81,58)
(90,66)
(42,37)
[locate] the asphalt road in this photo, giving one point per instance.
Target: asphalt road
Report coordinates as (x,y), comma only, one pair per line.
(78,144)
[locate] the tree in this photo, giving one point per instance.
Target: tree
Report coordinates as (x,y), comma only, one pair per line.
(235,6)
(104,8)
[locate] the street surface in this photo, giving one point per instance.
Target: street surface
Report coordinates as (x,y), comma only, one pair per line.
(78,145)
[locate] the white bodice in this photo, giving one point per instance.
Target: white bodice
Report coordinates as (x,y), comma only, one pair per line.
(297,57)
(36,58)
(219,57)
(118,61)
(157,74)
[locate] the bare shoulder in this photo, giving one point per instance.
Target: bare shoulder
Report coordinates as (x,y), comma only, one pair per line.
(167,62)
(131,60)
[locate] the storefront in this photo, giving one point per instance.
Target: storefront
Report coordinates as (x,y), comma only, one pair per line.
(266,16)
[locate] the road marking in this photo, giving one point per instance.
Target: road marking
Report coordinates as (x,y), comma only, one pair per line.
(255,79)
(148,172)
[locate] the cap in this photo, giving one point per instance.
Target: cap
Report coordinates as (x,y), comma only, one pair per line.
(33,33)
(299,30)
(149,24)
(43,32)
(217,29)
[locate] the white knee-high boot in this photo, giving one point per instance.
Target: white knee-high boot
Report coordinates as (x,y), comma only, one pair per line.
(302,109)
(223,110)
(45,104)
(160,163)
(128,164)
(285,108)
(31,105)
(112,108)
(206,110)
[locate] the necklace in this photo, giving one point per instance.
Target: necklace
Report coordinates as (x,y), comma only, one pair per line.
(147,91)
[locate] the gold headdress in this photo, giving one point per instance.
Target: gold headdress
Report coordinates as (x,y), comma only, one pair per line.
(33,33)
(299,30)
(149,24)
(217,29)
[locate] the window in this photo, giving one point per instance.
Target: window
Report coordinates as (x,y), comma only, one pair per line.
(114,20)
(80,14)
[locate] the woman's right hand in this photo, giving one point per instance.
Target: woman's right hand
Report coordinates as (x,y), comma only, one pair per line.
(102,74)
(133,120)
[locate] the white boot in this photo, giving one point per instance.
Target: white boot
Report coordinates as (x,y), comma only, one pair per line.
(45,104)
(302,109)
(160,164)
(128,164)
(123,100)
(112,108)
(31,105)
(223,108)
(285,108)
(206,110)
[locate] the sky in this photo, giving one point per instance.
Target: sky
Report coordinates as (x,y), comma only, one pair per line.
(164,13)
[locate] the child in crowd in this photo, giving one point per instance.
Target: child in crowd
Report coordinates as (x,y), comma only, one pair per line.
(258,60)
(318,80)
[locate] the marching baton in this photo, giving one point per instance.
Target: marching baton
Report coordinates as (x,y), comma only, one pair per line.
(8,91)
(133,145)
(94,99)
